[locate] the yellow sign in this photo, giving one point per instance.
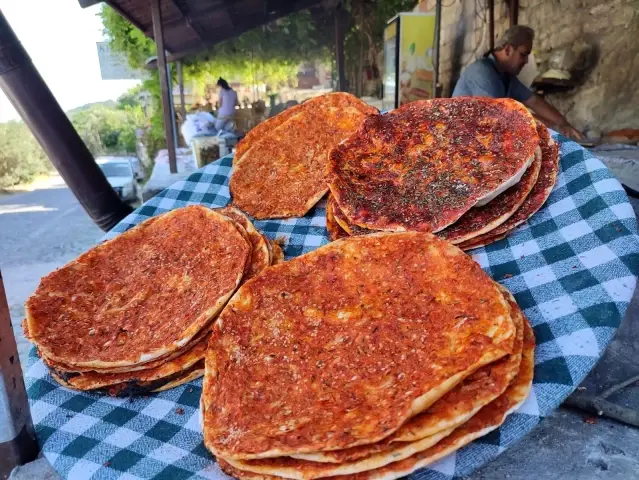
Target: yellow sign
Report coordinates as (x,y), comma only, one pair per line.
(416,72)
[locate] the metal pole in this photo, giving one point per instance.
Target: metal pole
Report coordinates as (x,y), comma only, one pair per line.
(339,50)
(181,84)
(17,437)
(438,20)
(158,35)
(491,23)
(39,109)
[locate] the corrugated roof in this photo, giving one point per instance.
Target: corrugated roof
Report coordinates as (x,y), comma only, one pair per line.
(193,25)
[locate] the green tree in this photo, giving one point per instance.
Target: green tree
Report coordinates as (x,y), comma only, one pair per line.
(21,158)
(107,129)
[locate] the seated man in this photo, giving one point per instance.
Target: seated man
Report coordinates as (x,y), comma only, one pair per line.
(495,76)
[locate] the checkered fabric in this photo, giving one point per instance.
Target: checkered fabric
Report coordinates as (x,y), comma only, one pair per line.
(572,268)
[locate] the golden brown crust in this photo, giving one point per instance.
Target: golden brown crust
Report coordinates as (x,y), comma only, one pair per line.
(423,165)
(141,387)
(534,201)
(284,173)
(278,253)
(93,380)
(335,231)
(261,252)
(142,295)
(262,130)
(344,223)
(342,330)
(480,220)
(489,418)
(453,409)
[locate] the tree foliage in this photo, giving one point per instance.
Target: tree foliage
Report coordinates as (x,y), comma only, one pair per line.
(270,54)
(109,130)
(21,158)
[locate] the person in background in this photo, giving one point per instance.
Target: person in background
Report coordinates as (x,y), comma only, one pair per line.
(228,99)
(495,75)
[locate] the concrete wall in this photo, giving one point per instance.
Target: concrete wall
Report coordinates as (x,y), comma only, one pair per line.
(608,96)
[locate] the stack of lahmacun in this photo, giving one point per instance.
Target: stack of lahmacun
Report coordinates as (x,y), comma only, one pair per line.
(370,357)
(134,314)
(468,169)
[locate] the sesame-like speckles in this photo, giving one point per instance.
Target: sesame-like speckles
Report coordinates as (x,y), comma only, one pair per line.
(143,294)
(391,176)
(350,336)
(535,199)
(282,173)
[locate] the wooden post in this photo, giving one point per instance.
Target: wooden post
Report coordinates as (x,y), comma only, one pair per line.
(17,437)
(514,12)
(163,72)
(181,85)
(41,112)
(438,26)
(339,49)
(491,23)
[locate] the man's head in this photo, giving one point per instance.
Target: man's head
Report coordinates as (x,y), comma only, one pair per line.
(513,48)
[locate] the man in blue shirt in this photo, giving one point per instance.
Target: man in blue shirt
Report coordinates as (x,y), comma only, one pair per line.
(495,76)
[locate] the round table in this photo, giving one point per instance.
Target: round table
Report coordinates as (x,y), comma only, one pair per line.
(572,269)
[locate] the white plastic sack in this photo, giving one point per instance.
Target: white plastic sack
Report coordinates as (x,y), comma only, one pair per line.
(196,125)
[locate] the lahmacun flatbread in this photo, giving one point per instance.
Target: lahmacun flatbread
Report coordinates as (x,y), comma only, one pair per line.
(142,295)
(535,200)
(335,231)
(480,220)
(261,130)
(284,173)
(486,420)
(95,380)
(450,411)
(261,251)
(422,166)
(342,330)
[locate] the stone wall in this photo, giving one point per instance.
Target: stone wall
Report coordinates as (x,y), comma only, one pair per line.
(607,98)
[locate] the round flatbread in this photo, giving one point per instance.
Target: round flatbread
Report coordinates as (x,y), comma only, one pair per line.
(486,420)
(450,411)
(261,253)
(142,295)
(277,253)
(284,173)
(262,130)
(361,334)
(480,220)
(139,387)
(422,166)
(196,372)
(335,231)
(343,222)
(535,200)
(288,467)
(97,380)
(64,368)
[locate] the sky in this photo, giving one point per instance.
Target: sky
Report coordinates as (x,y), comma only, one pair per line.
(60,37)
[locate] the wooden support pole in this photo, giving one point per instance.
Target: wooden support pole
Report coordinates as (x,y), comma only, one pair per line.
(181,85)
(339,49)
(17,437)
(491,24)
(163,72)
(514,12)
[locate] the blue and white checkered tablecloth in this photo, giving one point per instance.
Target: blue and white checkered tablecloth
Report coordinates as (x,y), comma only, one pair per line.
(572,268)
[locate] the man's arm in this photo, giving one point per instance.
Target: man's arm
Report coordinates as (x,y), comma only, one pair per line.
(551,115)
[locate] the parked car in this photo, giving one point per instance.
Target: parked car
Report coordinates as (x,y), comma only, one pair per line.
(121,175)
